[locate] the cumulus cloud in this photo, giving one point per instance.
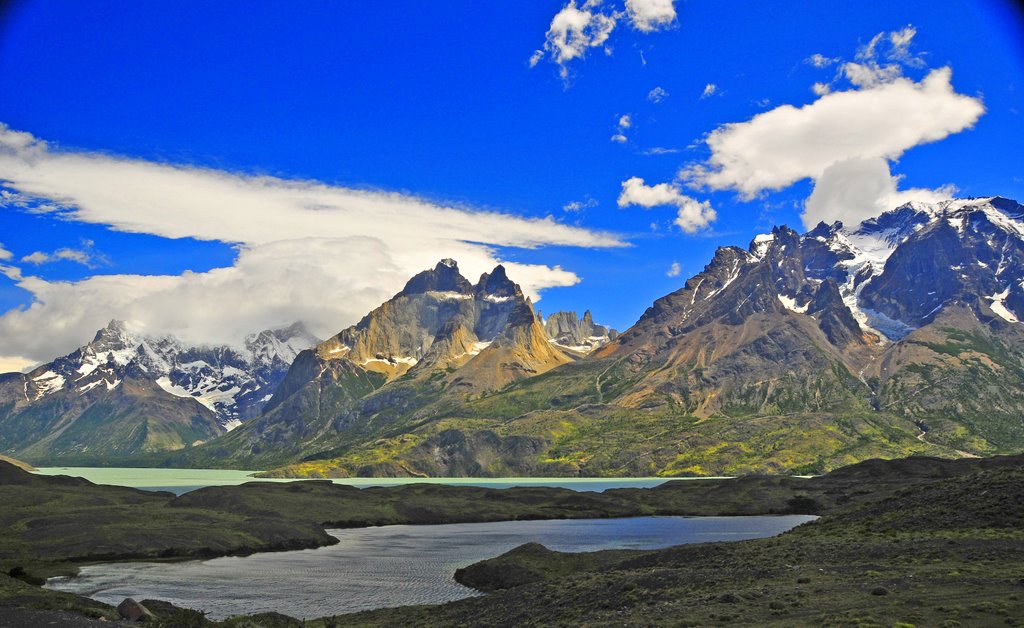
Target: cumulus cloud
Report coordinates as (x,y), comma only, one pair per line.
(577,28)
(657,95)
(779,147)
(674,270)
(320,253)
(573,31)
(648,16)
(709,90)
(11,272)
(845,140)
(820,89)
(625,122)
(691,216)
(855,189)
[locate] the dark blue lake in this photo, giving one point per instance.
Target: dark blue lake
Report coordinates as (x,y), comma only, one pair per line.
(388,566)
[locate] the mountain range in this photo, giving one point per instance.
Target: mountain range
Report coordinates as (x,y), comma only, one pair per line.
(124,393)
(800,353)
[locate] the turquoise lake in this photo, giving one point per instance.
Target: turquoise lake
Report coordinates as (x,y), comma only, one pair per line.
(184,480)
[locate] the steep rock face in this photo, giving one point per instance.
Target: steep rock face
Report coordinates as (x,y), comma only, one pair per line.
(123,394)
(437,341)
(441,321)
(576,335)
(439,318)
(801,352)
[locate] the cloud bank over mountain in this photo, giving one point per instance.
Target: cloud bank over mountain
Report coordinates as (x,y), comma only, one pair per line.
(306,250)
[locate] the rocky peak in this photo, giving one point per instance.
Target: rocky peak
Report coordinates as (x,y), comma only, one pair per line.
(567,331)
(281,344)
(114,337)
(445,277)
(497,284)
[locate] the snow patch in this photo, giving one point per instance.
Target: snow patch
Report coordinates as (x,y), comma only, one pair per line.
(450,295)
(762,243)
(496,299)
(48,383)
(999,307)
(790,304)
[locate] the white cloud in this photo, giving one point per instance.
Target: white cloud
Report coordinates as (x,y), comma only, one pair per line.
(871,74)
(893,47)
(624,123)
(821,89)
(573,31)
(657,95)
(659,150)
(821,61)
(86,256)
(859,188)
(308,251)
(709,90)
(577,28)
(691,216)
(899,42)
(11,272)
(674,270)
(786,144)
(575,206)
(648,16)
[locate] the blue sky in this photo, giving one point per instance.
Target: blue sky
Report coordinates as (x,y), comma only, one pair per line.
(437,106)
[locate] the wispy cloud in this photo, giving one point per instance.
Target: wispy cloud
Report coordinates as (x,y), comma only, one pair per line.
(86,255)
(659,150)
(821,61)
(575,206)
(709,90)
(325,254)
(674,270)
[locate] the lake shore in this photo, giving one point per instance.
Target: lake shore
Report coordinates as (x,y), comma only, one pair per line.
(56,523)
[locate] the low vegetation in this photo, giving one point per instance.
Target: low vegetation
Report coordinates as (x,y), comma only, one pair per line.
(921,541)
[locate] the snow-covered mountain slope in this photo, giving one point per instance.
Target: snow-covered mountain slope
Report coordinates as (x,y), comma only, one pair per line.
(233,383)
(897,271)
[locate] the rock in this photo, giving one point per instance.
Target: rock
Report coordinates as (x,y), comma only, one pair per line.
(133,611)
(879,591)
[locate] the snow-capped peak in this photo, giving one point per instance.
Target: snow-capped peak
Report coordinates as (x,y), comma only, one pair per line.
(231,382)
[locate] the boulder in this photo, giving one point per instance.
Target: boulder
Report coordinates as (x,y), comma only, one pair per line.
(133,611)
